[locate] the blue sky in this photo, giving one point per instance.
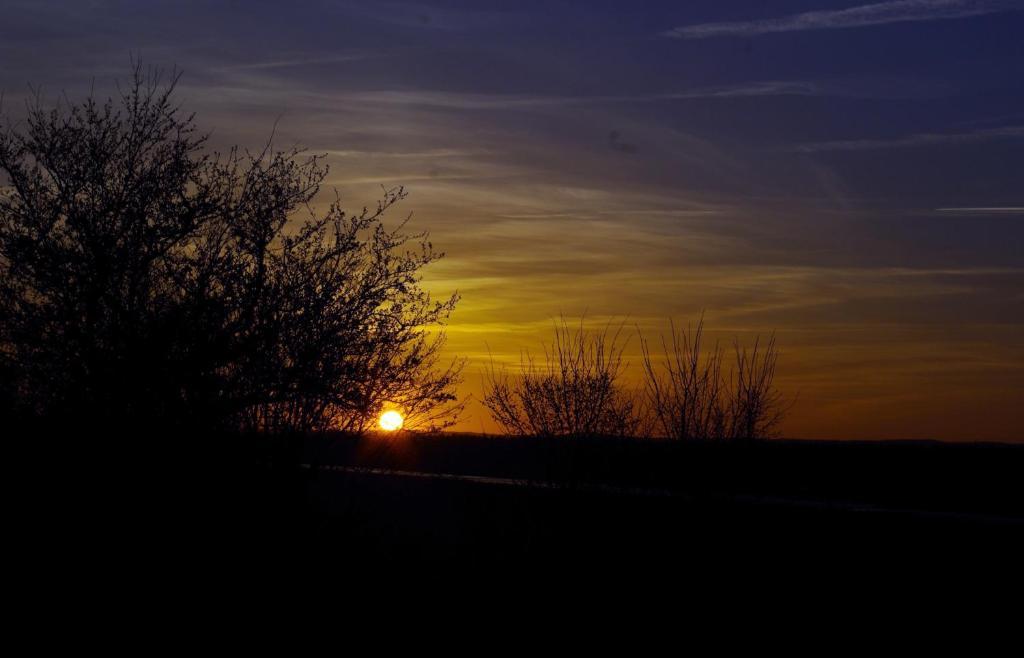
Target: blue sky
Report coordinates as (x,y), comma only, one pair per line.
(848,174)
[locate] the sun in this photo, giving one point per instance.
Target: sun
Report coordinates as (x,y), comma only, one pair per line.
(391,421)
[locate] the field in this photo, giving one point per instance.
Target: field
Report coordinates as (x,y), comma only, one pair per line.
(617,505)
(334,508)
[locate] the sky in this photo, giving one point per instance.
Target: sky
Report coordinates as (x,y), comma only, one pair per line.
(849,175)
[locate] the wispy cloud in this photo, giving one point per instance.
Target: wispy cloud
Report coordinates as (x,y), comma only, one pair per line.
(916,140)
(984,211)
(285,92)
(475,101)
(880,13)
(292,63)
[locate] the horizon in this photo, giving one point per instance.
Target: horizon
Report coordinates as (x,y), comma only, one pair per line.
(845,174)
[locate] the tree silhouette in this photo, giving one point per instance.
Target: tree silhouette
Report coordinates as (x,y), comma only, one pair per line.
(146,279)
(575,391)
(689,397)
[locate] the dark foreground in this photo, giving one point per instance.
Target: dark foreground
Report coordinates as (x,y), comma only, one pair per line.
(646,511)
(654,505)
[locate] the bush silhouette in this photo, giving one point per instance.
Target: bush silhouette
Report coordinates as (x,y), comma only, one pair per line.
(689,398)
(576,391)
(147,280)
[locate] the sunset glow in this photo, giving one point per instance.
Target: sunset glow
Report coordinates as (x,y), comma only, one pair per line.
(573,292)
(846,174)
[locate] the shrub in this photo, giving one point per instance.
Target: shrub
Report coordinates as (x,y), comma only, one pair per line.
(575,390)
(689,398)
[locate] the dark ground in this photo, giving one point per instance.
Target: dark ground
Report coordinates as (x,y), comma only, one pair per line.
(558,511)
(657,509)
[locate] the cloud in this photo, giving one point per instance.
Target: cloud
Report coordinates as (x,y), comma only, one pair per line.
(292,63)
(984,211)
(916,140)
(881,13)
(479,101)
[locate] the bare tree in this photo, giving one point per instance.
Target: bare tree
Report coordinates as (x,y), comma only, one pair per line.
(685,391)
(353,337)
(689,398)
(755,406)
(144,278)
(575,390)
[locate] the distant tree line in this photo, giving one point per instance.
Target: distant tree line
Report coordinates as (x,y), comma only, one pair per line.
(147,280)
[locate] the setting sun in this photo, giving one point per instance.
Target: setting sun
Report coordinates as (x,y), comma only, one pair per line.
(391,421)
